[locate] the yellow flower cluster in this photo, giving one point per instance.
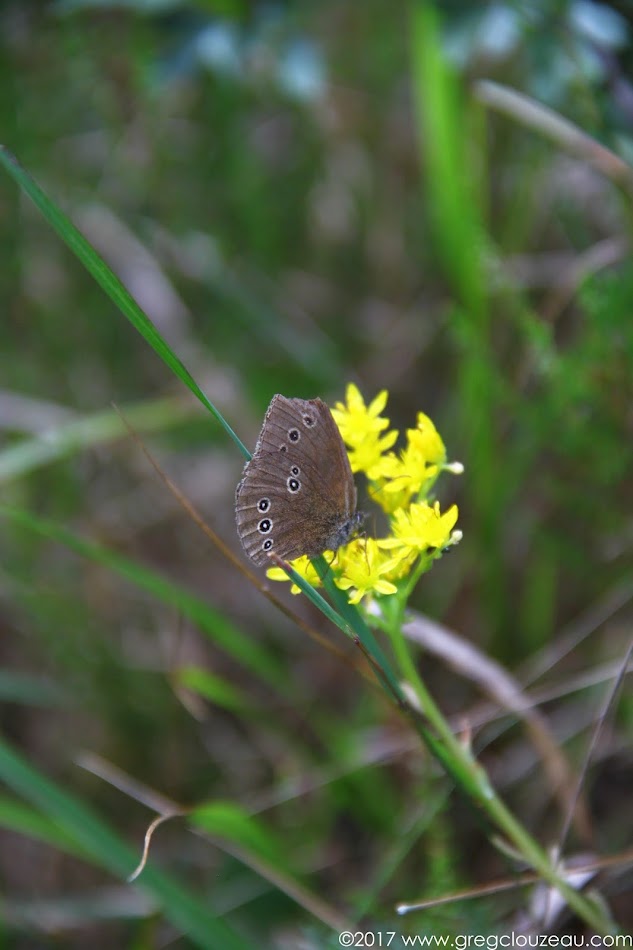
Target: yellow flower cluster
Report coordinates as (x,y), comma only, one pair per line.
(400,483)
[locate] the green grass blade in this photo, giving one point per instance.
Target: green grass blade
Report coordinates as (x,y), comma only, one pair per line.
(86,432)
(455,218)
(22,819)
(248,652)
(109,282)
(213,688)
(231,822)
(31,690)
(444,120)
(106,850)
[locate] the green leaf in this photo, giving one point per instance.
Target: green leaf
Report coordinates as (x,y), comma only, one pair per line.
(213,688)
(24,820)
(227,820)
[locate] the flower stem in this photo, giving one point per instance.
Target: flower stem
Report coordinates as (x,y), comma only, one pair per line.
(457,758)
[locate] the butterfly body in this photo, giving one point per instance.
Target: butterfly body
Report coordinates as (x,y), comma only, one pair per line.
(297,494)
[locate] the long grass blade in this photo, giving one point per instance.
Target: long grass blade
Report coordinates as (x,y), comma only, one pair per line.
(105,849)
(109,282)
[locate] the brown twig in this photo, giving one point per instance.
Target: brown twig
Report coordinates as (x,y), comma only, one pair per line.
(549,123)
(508,884)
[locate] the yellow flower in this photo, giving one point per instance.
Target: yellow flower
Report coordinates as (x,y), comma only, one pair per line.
(356,421)
(418,528)
(398,478)
(391,483)
(425,440)
(360,427)
(395,479)
(360,424)
(363,566)
(303,566)
(367,456)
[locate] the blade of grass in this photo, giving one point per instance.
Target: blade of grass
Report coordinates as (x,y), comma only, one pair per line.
(439,119)
(22,819)
(252,843)
(231,821)
(105,849)
(214,688)
(451,164)
(109,282)
(31,690)
(153,415)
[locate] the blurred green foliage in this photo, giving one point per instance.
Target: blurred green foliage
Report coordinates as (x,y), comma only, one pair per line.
(299,195)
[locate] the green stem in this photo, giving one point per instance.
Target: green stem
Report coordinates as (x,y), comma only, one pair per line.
(457,759)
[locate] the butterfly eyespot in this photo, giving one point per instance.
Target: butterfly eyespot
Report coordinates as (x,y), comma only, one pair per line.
(263,504)
(295,470)
(264,526)
(293,484)
(308,420)
(267,545)
(294,435)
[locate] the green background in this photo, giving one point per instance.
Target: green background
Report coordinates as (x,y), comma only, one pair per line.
(301,195)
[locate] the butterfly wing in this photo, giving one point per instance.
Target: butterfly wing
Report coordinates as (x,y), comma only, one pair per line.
(297,495)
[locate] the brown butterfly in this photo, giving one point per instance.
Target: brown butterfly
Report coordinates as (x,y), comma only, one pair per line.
(297,494)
